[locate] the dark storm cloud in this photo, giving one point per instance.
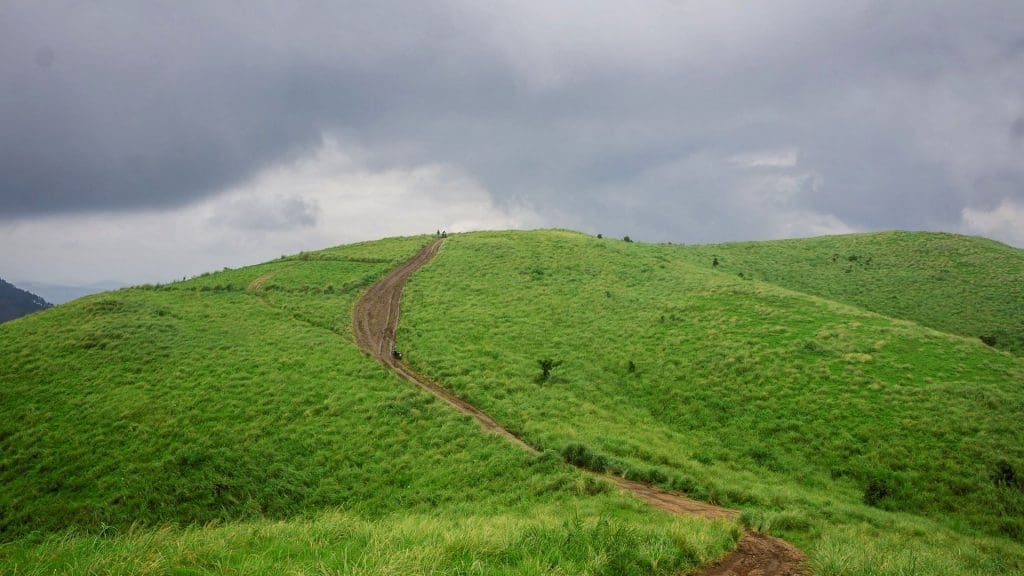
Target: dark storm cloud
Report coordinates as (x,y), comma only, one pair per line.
(601,116)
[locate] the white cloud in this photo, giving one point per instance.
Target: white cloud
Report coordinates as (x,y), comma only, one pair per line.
(1005,222)
(327,198)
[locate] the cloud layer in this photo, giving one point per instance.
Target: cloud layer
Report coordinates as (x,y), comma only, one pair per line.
(667,120)
(322,200)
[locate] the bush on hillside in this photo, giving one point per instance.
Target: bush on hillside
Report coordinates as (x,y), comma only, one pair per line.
(1005,475)
(580,456)
(546,366)
(877,489)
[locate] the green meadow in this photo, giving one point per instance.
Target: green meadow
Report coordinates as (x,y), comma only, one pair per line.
(959,284)
(208,427)
(879,445)
(836,390)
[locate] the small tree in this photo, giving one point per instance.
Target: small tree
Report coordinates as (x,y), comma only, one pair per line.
(714,262)
(546,366)
(599,236)
(627,239)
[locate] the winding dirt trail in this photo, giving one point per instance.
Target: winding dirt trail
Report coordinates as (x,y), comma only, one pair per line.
(374,322)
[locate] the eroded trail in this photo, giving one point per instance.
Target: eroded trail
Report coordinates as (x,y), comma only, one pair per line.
(374,322)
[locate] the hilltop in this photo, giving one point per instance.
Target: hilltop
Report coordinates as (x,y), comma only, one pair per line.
(15,302)
(229,422)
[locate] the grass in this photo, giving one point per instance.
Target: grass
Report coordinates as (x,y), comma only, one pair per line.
(959,284)
(548,539)
(784,404)
(207,426)
(222,425)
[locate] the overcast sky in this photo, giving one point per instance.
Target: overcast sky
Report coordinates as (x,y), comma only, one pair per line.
(143,141)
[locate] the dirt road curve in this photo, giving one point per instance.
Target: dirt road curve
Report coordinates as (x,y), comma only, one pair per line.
(374,322)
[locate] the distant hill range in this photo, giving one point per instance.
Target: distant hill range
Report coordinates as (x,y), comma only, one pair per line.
(15,302)
(61,293)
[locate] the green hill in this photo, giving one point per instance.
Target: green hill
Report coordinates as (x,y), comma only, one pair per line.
(854,434)
(228,423)
(959,284)
(15,302)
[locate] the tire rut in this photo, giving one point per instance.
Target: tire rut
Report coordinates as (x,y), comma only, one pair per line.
(374,323)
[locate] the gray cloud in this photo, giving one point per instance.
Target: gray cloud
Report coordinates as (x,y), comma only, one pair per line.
(261,214)
(598,115)
(1017,130)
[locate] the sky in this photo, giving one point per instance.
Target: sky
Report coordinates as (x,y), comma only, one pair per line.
(148,141)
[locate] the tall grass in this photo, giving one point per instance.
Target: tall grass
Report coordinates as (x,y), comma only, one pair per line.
(205,427)
(600,537)
(960,284)
(786,405)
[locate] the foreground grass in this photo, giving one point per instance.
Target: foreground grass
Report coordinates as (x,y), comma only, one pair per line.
(206,426)
(959,284)
(602,537)
(852,433)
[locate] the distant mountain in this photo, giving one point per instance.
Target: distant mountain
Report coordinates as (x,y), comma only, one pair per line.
(61,293)
(15,302)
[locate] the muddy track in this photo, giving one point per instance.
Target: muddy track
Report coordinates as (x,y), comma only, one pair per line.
(374,322)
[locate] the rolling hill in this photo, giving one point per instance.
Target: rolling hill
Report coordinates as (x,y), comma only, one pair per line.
(959,284)
(230,422)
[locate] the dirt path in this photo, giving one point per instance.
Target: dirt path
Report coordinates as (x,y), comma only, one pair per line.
(374,322)
(259,281)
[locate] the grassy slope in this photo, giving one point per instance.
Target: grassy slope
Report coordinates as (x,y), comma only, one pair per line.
(959,284)
(783,404)
(134,418)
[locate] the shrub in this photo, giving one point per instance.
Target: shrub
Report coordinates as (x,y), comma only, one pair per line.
(631,367)
(814,346)
(546,366)
(627,239)
(1005,475)
(647,476)
(877,489)
(580,456)
(989,339)
(599,236)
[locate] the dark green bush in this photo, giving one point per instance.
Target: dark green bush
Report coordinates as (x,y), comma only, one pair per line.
(546,366)
(1005,475)
(580,456)
(647,476)
(876,490)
